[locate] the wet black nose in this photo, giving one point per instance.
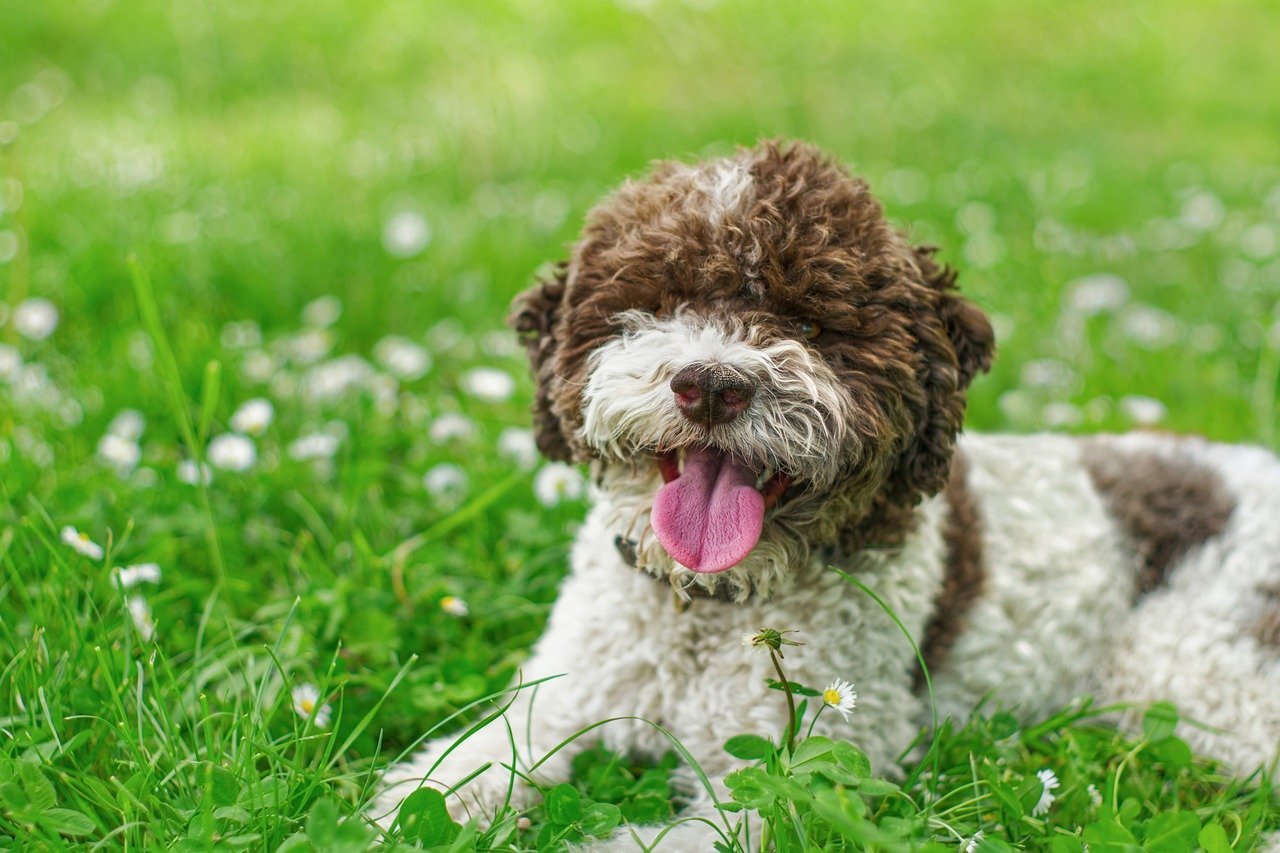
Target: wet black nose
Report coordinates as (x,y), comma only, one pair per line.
(711,394)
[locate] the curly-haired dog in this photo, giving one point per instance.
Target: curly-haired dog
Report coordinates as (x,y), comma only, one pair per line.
(768,380)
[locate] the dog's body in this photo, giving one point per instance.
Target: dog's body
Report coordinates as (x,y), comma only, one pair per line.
(1030,570)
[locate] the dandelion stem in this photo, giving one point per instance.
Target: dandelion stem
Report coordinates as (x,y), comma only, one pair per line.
(791,700)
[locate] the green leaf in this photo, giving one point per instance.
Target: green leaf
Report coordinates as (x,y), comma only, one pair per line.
(1171,832)
(1109,837)
(225,785)
(297,843)
(1065,844)
(811,749)
(1009,801)
(322,822)
(424,818)
(67,822)
(852,759)
(563,804)
(601,819)
(1172,752)
(748,747)
(37,786)
(1160,721)
(796,688)
(747,787)
(1213,839)
(209,397)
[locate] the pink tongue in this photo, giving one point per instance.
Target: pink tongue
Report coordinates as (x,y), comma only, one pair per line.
(709,517)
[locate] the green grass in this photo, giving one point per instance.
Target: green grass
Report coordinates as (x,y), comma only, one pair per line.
(250,155)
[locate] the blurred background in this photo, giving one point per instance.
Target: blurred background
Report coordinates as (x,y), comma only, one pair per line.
(337,201)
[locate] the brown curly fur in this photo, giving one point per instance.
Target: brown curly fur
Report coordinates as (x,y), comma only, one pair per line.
(813,245)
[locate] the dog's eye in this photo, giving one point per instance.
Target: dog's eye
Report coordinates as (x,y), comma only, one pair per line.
(808,330)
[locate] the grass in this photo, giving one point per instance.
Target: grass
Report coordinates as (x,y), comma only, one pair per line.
(1104,175)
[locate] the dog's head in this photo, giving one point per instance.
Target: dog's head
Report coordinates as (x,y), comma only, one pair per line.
(754,358)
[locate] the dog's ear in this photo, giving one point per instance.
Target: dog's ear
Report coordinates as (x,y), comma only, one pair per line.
(534,316)
(957,343)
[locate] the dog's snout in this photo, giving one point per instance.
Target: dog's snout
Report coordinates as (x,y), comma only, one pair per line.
(711,394)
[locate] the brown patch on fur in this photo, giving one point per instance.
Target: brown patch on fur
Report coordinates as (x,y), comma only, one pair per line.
(964,576)
(1266,630)
(1166,505)
(808,242)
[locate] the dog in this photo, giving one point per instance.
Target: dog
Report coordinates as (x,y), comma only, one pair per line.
(768,381)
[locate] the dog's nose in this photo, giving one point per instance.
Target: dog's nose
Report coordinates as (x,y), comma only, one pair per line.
(711,394)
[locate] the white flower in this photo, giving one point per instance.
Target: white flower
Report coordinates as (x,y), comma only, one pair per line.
(35,318)
(518,445)
(305,699)
(81,543)
(749,641)
(402,358)
(451,426)
(841,696)
(1203,211)
(324,311)
(128,424)
(334,378)
(258,366)
(1049,782)
(254,416)
(489,384)
(232,452)
(1094,795)
(1143,410)
(308,346)
(445,481)
(406,234)
(454,606)
(1097,293)
(556,482)
(138,573)
(191,475)
(10,362)
(140,612)
(241,335)
(1149,327)
(120,453)
(971,846)
(316,445)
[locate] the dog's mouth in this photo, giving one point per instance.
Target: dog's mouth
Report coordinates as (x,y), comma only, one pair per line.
(709,513)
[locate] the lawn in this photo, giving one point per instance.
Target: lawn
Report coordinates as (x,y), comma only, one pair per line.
(329,206)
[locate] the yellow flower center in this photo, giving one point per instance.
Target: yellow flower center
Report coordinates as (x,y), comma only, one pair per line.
(831,697)
(84,537)
(307,705)
(448,601)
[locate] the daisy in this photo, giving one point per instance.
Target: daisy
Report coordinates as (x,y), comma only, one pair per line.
(1143,410)
(1094,796)
(406,234)
(253,417)
(324,311)
(488,384)
(128,424)
(451,426)
(1049,782)
(402,358)
(258,366)
(140,613)
(120,453)
(971,846)
(446,481)
(191,474)
(305,699)
(454,606)
(136,574)
(519,446)
(232,452)
(35,318)
(556,482)
(316,445)
(336,377)
(81,543)
(10,362)
(841,696)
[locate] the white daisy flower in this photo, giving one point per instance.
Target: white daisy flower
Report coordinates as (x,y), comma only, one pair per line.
(840,695)
(451,426)
(1143,410)
(316,445)
(120,453)
(258,366)
(446,481)
(81,543)
(305,702)
(406,234)
(971,846)
(241,335)
(191,474)
(557,482)
(1049,782)
(402,358)
(232,452)
(489,384)
(454,606)
(1094,795)
(308,346)
(128,424)
(140,613)
(10,363)
(137,573)
(324,311)
(35,318)
(1097,293)
(254,416)
(336,377)
(519,446)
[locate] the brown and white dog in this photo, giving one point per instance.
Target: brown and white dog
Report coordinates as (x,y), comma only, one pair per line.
(768,380)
